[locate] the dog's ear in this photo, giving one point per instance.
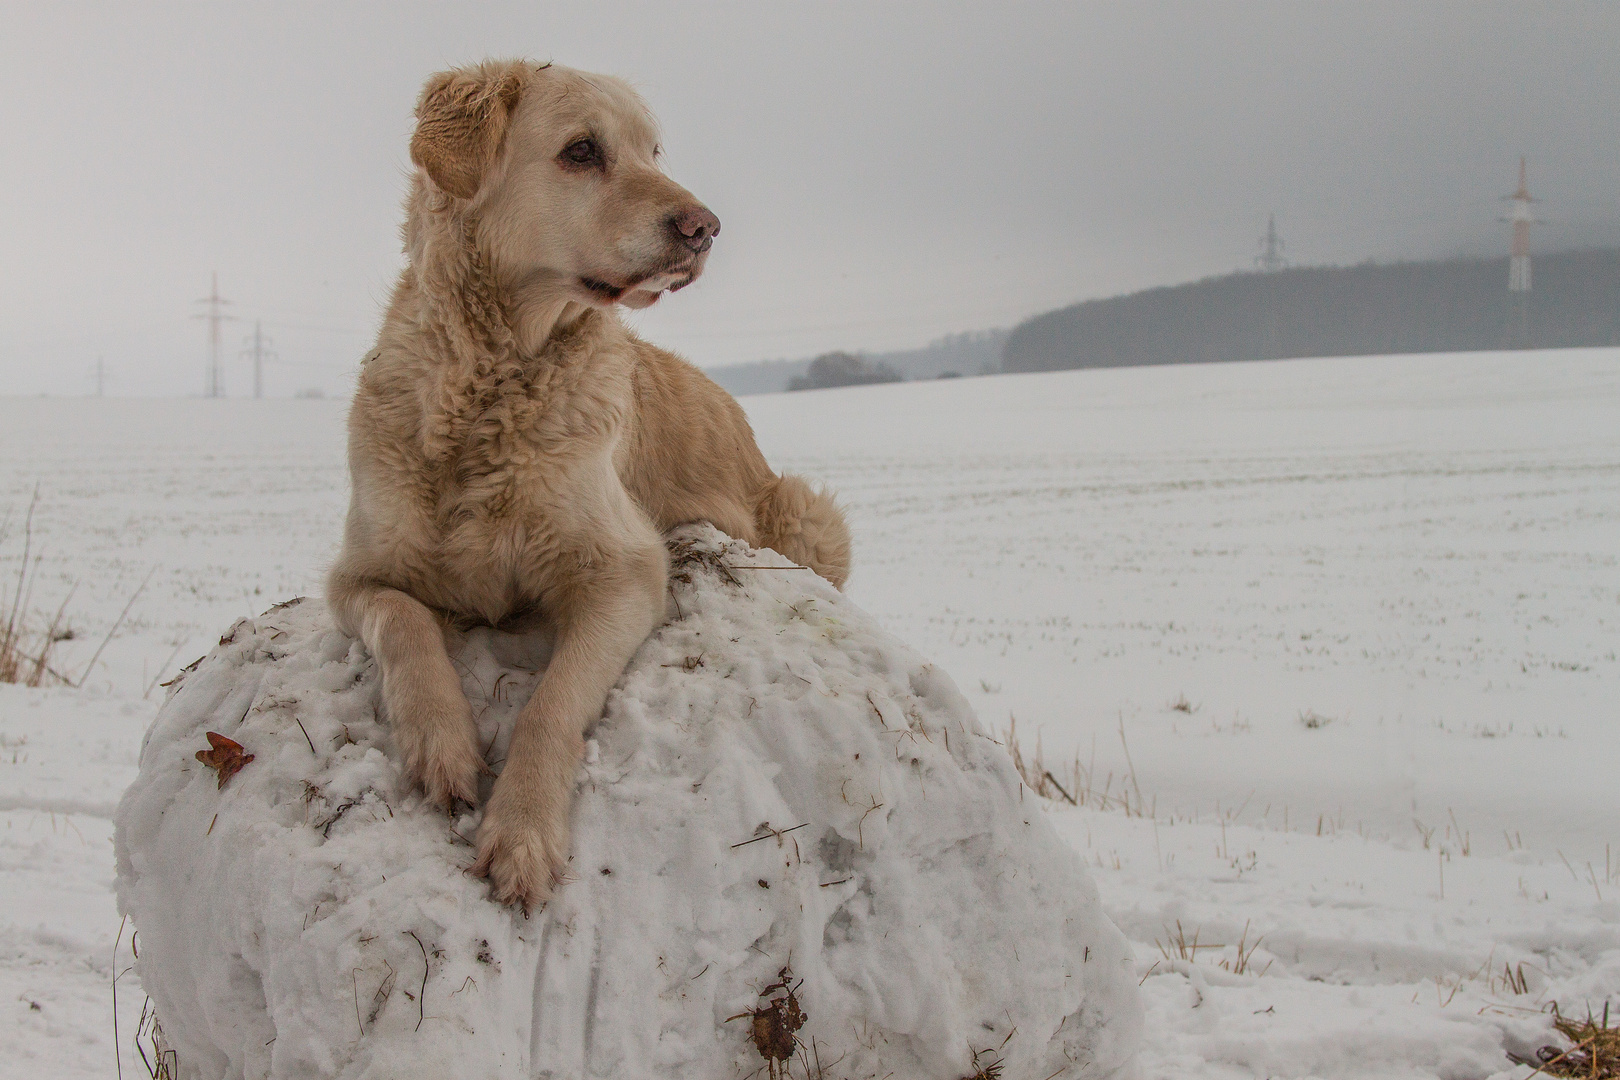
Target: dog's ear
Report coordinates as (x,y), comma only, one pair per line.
(461,121)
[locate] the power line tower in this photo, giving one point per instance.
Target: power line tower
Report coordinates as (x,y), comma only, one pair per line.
(214,384)
(260,350)
(1271,258)
(1521,219)
(1269,261)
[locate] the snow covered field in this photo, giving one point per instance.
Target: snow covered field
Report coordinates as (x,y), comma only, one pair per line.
(1385,594)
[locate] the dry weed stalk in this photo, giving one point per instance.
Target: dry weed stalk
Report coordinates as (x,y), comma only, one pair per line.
(1242,964)
(1183,949)
(1078,785)
(162,1063)
(25,654)
(1177,947)
(1515,981)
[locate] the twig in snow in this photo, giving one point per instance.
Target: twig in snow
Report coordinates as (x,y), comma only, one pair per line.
(421,999)
(770,832)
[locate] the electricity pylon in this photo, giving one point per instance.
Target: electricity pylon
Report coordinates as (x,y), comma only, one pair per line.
(214,384)
(1521,219)
(1271,258)
(258,347)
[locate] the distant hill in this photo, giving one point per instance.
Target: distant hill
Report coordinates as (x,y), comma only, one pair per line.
(977,353)
(1460,305)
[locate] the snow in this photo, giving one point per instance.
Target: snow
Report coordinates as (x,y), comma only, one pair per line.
(1421,549)
(921,906)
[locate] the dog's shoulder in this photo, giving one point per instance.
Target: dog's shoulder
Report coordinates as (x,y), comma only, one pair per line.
(670,387)
(386,406)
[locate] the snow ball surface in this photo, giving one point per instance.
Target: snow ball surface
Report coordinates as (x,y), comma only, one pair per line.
(779,793)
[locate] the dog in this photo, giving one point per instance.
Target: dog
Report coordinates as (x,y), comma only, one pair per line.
(516,451)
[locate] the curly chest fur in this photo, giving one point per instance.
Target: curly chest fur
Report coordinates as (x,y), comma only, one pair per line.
(482,480)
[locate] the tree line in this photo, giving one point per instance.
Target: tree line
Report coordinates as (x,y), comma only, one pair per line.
(1458,305)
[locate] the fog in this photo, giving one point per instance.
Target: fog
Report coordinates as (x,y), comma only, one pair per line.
(885,173)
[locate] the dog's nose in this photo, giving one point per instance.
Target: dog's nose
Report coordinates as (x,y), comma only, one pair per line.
(695,227)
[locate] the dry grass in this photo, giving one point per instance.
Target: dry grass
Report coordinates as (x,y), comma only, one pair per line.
(688,555)
(1177,947)
(1243,962)
(988,1069)
(156,1054)
(26,644)
(1076,783)
(1595,1054)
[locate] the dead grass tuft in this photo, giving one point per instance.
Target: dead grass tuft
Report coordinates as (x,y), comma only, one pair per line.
(156,1054)
(1314,720)
(1078,783)
(989,1070)
(1512,980)
(1595,1054)
(25,646)
(1177,947)
(1243,962)
(687,555)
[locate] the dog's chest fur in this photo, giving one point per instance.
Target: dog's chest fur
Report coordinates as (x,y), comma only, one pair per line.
(478,478)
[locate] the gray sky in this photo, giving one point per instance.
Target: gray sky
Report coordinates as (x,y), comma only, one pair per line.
(886,173)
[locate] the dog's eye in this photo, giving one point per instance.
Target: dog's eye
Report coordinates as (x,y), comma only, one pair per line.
(582,152)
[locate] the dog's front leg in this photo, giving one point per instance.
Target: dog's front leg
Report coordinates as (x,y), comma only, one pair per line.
(605,611)
(422,698)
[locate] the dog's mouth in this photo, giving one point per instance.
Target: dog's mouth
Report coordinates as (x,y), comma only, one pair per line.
(641,290)
(602,290)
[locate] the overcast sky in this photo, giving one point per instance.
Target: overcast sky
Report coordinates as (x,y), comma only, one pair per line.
(886,173)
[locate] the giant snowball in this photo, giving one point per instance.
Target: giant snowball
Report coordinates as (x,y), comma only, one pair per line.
(781,800)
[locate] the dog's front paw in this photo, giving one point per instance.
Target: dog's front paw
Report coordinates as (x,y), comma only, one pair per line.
(438,742)
(522,843)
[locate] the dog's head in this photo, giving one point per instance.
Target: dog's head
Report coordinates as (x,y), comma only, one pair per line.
(560,170)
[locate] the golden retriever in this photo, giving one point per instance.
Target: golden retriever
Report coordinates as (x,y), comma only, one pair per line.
(516,451)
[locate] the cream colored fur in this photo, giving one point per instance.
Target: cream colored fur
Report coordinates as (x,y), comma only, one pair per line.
(516,452)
